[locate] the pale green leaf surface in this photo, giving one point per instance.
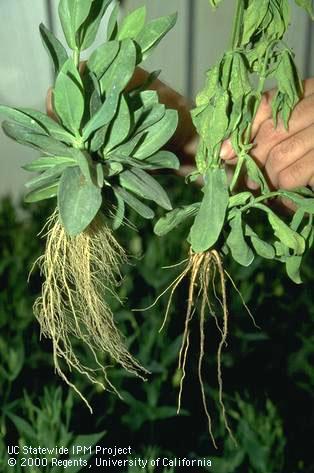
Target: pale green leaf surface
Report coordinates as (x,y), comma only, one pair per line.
(293,265)
(121,69)
(102,57)
(239,248)
(174,218)
(46,162)
(120,127)
(47,177)
(307,5)
(119,212)
(112,27)
(89,28)
(210,219)
(54,48)
(72,15)
(163,159)
(78,201)
(68,98)
(158,135)
(147,117)
(45,192)
(262,248)
(144,185)
(43,142)
(132,24)
(240,199)
(104,115)
(142,209)
(154,31)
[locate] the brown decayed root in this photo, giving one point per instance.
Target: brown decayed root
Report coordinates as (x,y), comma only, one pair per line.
(203,270)
(79,271)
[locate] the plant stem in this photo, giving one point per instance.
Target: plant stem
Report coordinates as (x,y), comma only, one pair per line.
(270,195)
(237,21)
(76,57)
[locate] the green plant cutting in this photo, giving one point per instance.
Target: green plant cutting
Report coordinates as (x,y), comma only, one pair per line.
(220,223)
(95,160)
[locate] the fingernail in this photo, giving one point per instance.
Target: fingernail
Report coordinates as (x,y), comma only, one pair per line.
(252,184)
(226,150)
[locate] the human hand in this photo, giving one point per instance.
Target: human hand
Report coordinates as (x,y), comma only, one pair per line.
(286,156)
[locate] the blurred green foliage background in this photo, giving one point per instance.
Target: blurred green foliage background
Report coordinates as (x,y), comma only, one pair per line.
(268,372)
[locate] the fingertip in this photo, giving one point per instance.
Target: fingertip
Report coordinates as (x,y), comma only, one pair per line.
(252,185)
(226,150)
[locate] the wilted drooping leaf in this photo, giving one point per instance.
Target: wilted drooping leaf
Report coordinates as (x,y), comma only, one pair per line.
(240,250)
(174,218)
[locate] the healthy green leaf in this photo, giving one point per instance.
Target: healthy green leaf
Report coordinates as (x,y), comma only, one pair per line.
(46,162)
(210,219)
(121,69)
(154,31)
(142,209)
(127,149)
(119,212)
(68,98)
(146,117)
(43,142)
(120,126)
(47,177)
(37,122)
(88,30)
(54,48)
(163,159)
(102,57)
(78,201)
(141,183)
(146,84)
(18,116)
(132,24)
(149,98)
(174,218)
(45,192)
(114,168)
(85,163)
(239,248)
(157,135)
(72,15)
(100,175)
(104,115)
(112,27)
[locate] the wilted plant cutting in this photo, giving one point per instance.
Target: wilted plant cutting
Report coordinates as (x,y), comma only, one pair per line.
(220,223)
(95,160)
